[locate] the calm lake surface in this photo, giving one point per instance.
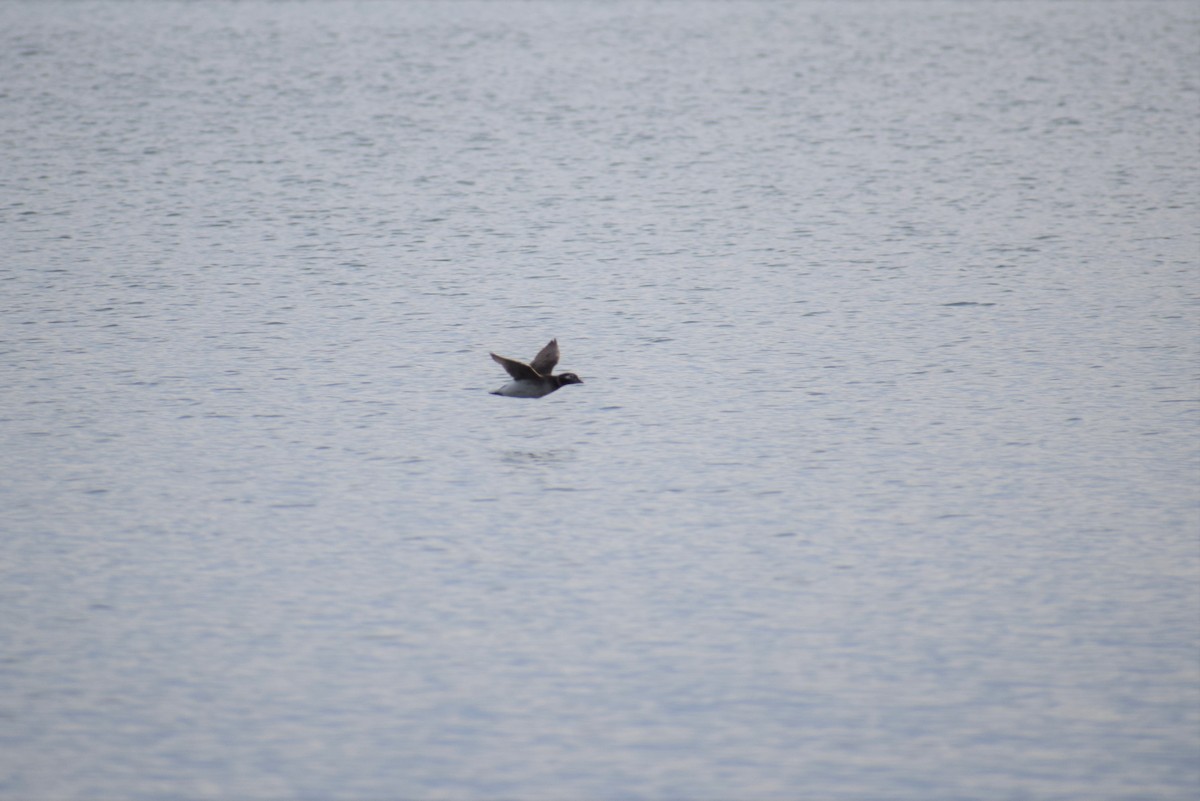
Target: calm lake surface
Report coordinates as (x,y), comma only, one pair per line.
(883,483)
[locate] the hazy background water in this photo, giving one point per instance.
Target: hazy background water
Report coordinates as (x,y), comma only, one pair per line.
(882,483)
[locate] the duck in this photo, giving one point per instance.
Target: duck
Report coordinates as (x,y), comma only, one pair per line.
(534,380)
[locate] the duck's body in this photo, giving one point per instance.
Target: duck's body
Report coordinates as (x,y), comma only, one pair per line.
(523,388)
(534,380)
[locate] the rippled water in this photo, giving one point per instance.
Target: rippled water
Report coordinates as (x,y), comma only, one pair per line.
(883,482)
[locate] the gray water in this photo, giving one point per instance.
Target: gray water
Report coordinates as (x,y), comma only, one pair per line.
(882,483)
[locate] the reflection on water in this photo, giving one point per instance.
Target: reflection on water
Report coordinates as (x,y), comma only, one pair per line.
(550,457)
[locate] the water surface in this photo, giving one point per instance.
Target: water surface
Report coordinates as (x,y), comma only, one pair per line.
(882,483)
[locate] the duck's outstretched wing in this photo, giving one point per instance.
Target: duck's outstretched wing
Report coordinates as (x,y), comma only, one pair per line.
(518,370)
(547,357)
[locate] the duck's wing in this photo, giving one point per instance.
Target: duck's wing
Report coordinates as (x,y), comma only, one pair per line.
(518,370)
(547,357)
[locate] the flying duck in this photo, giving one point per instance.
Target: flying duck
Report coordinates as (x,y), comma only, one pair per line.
(534,380)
